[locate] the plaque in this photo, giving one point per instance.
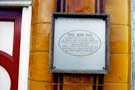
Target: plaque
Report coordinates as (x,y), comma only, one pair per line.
(79,44)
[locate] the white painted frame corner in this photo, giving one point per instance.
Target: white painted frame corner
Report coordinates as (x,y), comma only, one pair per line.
(24,48)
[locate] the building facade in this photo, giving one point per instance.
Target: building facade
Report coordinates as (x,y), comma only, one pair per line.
(119,76)
(24,59)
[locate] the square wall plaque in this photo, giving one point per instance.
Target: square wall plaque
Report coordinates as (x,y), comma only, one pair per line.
(79,44)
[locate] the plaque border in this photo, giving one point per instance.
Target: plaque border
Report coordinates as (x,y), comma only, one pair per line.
(105,17)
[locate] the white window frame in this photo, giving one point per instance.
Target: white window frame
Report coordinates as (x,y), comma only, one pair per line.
(25,48)
(15,3)
(25,39)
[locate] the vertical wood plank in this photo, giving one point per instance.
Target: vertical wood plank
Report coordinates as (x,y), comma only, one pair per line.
(42,10)
(80,6)
(78,82)
(39,76)
(121,53)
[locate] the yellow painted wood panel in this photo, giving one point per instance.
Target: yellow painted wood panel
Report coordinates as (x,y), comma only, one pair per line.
(40,37)
(39,66)
(78,82)
(78,79)
(72,86)
(118,11)
(119,68)
(42,10)
(40,85)
(120,39)
(80,6)
(116,86)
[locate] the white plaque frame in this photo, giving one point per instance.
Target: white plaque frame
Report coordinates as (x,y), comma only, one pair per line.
(79,43)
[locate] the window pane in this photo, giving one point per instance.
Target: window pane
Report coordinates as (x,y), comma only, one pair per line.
(6,36)
(5,82)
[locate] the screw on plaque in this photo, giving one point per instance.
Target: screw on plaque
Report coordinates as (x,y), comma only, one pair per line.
(54,67)
(103,68)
